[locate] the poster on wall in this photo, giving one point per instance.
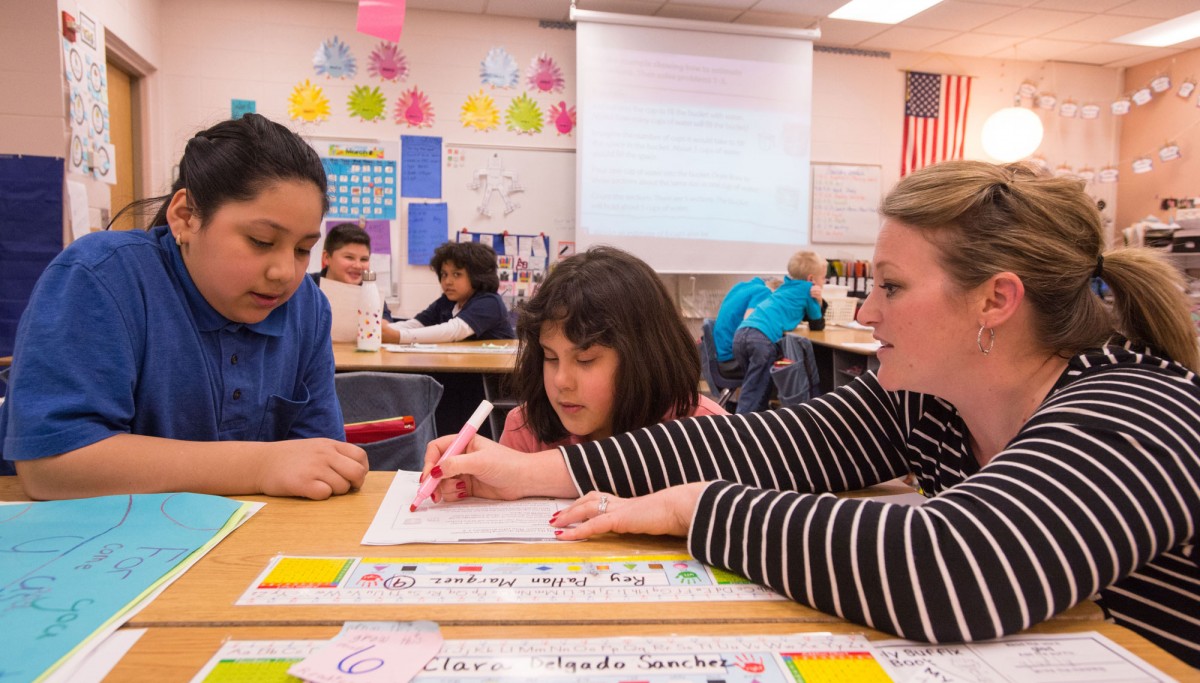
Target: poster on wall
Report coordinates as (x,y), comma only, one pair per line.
(91,150)
(361,179)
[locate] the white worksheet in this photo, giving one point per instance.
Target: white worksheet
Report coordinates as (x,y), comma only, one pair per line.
(474,520)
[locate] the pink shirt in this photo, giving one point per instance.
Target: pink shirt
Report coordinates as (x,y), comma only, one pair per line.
(519,436)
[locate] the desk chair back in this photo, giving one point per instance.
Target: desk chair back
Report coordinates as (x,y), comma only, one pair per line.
(723,378)
(379,395)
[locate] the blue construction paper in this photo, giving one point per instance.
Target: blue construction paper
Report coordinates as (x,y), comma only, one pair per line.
(420,166)
(427,230)
(31,226)
(239,108)
(66,567)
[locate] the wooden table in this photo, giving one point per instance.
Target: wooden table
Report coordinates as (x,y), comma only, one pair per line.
(837,361)
(206,594)
(346,357)
(176,654)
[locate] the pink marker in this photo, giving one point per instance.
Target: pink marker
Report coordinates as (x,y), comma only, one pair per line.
(460,442)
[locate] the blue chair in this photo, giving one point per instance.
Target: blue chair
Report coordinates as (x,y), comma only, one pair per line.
(723,378)
(380,395)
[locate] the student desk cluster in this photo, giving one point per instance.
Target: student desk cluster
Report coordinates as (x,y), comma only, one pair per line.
(842,353)
(189,622)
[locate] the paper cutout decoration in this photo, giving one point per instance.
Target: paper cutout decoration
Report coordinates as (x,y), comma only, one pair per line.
(381,18)
(544,75)
(480,112)
(414,109)
(1186,88)
(367,103)
(1027,89)
(1039,161)
(1161,84)
(308,103)
(1089,111)
(1121,107)
(499,69)
(1086,174)
(495,180)
(524,115)
(1169,152)
(563,118)
(1142,96)
(1046,101)
(1109,174)
(1068,109)
(333,60)
(388,63)
(1143,165)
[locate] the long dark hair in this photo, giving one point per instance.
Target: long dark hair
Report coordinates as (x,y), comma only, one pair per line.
(479,260)
(233,161)
(612,298)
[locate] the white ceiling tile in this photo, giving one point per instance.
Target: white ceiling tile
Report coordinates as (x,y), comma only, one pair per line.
(819,8)
(1031,22)
(974,44)
(842,32)
(775,19)
(904,38)
(1104,53)
(1099,28)
(958,16)
(675,10)
(735,5)
(1150,55)
(1040,50)
(1157,9)
(1006,3)
(644,7)
(1079,5)
(553,10)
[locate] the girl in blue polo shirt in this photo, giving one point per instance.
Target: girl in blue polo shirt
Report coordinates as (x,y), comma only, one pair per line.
(194,356)
(469,307)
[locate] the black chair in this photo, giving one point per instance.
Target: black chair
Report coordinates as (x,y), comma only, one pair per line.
(381,395)
(724,378)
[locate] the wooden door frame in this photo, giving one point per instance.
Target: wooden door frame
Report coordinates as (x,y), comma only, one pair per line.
(141,72)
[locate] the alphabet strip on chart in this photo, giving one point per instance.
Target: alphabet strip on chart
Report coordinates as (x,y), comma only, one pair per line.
(452,580)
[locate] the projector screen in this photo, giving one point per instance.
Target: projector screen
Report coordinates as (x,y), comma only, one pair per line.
(694,146)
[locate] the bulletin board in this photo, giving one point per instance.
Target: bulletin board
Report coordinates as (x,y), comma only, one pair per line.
(525,190)
(845,199)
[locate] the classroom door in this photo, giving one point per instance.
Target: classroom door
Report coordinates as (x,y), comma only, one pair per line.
(123,128)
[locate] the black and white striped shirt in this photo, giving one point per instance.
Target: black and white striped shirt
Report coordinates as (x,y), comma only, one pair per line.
(1097,495)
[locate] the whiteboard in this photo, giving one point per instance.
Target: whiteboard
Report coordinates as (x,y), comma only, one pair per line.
(527,191)
(844,202)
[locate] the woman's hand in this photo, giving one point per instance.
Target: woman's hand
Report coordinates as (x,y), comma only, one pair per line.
(488,470)
(667,512)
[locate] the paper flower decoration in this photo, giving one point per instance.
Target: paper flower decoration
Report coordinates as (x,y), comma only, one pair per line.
(499,69)
(414,109)
(563,118)
(308,103)
(367,103)
(333,60)
(524,115)
(386,61)
(544,74)
(480,112)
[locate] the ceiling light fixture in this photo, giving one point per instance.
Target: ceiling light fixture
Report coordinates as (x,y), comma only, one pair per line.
(1167,33)
(882,11)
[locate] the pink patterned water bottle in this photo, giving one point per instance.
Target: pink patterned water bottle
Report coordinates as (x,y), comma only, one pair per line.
(370,314)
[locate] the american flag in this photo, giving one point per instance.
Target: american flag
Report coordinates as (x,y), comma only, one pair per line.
(935,119)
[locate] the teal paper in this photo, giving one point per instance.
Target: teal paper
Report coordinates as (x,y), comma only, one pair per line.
(66,567)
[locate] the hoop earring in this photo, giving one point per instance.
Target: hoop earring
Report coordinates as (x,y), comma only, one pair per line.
(991,340)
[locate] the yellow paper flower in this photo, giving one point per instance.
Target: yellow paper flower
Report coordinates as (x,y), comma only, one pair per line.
(308,103)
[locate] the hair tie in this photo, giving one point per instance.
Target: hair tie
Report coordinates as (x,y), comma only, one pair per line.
(1099,272)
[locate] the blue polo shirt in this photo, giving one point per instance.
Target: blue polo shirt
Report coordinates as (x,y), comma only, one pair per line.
(484,312)
(786,308)
(117,340)
(741,296)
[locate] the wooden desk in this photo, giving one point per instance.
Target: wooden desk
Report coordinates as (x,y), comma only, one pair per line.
(837,361)
(346,357)
(177,654)
(206,593)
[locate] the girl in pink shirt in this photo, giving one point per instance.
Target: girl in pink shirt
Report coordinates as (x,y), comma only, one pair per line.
(602,351)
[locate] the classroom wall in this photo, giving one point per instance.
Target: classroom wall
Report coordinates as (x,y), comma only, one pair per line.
(1165,119)
(207,52)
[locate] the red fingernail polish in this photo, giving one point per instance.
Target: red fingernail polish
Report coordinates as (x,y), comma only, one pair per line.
(436,472)
(461,486)
(558,532)
(462,495)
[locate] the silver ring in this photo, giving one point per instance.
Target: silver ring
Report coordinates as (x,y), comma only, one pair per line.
(603,506)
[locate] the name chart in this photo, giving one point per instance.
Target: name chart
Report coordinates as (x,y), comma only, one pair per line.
(733,659)
(453,580)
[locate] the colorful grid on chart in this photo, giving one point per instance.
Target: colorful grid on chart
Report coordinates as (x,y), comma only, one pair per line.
(306,572)
(361,188)
(251,671)
(835,667)
(449,580)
